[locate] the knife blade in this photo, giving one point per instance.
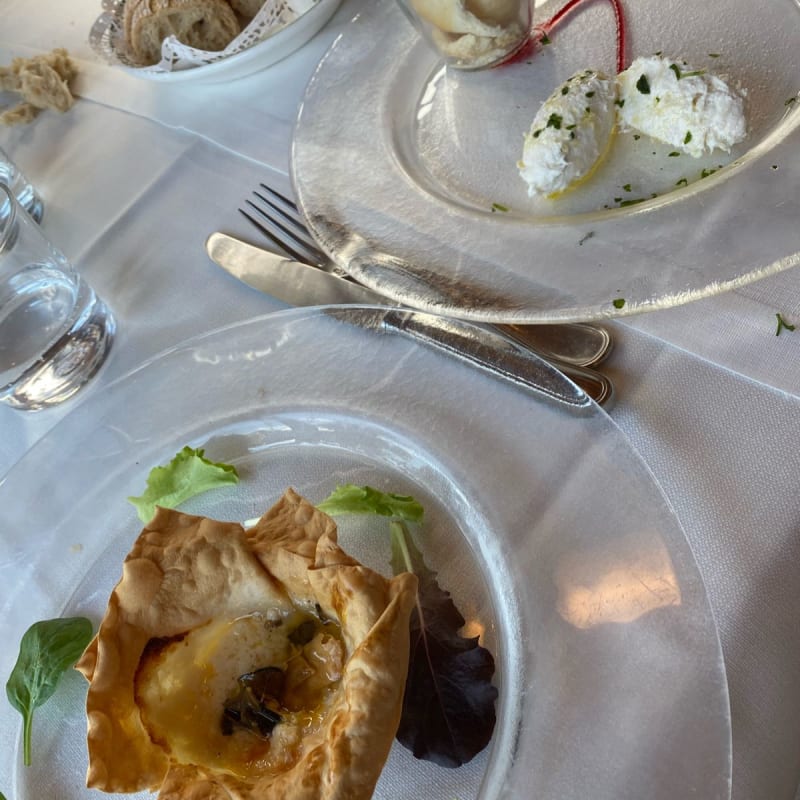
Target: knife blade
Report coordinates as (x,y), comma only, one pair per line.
(574,343)
(300,284)
(293,282)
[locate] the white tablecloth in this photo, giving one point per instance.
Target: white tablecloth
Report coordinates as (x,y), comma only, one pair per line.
(137,174)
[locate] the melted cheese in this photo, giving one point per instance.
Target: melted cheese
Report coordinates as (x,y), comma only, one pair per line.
(182,687)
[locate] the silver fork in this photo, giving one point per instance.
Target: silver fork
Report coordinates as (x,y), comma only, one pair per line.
(573,348)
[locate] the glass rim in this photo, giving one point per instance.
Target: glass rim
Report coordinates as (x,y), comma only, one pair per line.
(7,222)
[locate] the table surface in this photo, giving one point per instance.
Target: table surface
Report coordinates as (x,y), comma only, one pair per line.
(137,174)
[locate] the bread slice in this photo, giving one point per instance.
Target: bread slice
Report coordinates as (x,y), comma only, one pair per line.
(204,24)
(247,8)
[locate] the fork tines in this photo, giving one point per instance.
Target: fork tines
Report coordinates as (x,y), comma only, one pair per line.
(279,219)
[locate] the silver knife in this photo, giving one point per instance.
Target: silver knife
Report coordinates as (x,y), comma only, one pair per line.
(300,284)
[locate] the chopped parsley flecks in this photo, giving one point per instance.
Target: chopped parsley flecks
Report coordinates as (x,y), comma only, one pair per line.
(706,172)
(626,203)
(790,101)
(564,89)
(499,207)
(537,132)
(627,187)
(636,137)
(688,137)
(572,127)
(545,39)
(673,154)
(619,302)
(585,237)
(590,94)
(713,55)
(555,121)
(643,85)
(682,182)
(678,74)
(783,325)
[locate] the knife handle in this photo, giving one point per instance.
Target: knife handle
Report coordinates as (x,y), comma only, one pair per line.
(481,348)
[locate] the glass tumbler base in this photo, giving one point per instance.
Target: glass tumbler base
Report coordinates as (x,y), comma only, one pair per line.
(67,364)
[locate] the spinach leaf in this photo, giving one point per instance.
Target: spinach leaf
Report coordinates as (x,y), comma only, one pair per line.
(48,648)
(448,707)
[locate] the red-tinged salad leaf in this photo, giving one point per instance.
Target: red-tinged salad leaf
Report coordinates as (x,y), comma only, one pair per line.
(188,474)
(351,499)
(448,708)
(48,648)
(449,703)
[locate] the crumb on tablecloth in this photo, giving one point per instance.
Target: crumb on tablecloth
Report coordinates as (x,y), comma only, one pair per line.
(41,82)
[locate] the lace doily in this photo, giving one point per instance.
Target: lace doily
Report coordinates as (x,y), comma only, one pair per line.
(107,37)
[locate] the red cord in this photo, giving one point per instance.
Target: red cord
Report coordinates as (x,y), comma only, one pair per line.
(543,30)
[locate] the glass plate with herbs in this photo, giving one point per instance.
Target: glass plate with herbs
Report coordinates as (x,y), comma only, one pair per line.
(407,171)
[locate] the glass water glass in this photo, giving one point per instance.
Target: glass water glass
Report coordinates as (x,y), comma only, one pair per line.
(54,330)
(12,176)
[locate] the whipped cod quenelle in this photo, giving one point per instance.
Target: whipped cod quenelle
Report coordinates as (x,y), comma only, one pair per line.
(687,108)
(569,134)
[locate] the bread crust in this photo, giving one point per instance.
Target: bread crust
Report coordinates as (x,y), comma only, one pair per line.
(184,571)
(247,8)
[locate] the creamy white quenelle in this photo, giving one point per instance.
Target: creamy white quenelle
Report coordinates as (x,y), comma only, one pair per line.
(690,109)
(570,134)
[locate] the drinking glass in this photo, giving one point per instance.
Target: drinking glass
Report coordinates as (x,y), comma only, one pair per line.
(472,34)
(12,176)
(54,330)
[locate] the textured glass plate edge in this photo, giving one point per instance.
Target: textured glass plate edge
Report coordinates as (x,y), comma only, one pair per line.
(308,315)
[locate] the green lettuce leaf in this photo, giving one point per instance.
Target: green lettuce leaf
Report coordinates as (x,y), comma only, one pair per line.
(351,499)
(187,475)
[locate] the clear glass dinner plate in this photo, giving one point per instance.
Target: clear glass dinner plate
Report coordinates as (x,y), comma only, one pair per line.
(407,171)
(543,523)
